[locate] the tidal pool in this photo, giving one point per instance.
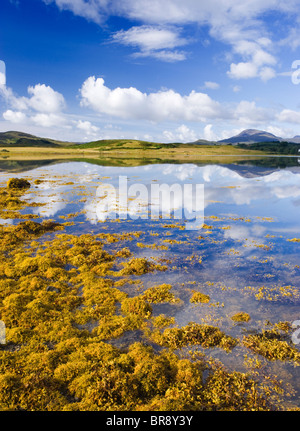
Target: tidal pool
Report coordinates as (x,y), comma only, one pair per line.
(225,294)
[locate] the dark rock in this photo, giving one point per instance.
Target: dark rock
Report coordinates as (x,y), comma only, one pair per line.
(53,289)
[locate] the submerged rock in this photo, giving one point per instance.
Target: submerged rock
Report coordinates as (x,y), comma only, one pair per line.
(18,183)
(53,289)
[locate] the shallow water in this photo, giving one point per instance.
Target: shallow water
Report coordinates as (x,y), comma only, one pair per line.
(243,257)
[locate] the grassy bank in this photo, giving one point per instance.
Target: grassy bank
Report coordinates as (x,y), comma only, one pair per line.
(126,149)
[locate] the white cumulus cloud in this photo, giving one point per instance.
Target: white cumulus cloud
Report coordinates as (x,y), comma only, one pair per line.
(248,113)
(181,134)
(130,103)
(87,127)
(48,119)
(45,99)
(43,107)
(209,134)
(14,116)
(259,60)
(243,70)
(289,116)
(42,99)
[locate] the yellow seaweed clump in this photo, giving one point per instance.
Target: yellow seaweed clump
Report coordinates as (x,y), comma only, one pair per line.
(162,321)
(86,374)
(10,236)
(139,266)
(272,345)
(199,297)
(234,391)
(61,305)
(241,317)
(194,333)
(136,305)
(10,201)
(159,294)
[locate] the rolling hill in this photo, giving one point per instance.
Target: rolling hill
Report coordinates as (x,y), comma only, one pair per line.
(20,139)
(250,139)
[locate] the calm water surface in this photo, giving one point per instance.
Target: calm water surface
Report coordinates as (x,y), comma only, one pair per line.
(243,257)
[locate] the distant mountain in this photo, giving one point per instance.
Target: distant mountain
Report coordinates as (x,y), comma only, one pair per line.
(202,142)
(20,139)
(295,139)
(250,136)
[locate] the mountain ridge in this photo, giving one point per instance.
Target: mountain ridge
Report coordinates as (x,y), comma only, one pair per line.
(249,136)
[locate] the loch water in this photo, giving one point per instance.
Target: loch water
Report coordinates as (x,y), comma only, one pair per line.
(245,257)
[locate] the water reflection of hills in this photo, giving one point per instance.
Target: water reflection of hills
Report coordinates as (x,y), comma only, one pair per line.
(23,165)
(258,171)
(265,166)
(247,168)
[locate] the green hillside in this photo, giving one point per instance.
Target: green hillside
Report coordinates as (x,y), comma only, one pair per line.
(287,148)
(137,148)
(126,144)
(20,139)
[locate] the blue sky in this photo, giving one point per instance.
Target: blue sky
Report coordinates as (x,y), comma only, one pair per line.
(161,70)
